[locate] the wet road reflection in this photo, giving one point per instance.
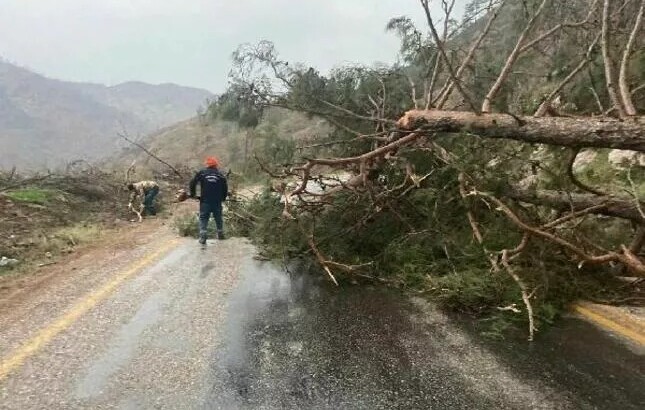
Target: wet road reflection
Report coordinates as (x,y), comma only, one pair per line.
(292,341)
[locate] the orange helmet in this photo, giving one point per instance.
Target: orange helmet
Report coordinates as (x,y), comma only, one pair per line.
(211,162)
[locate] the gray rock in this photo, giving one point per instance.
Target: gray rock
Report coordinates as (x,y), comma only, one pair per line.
(4,261)
(584,159)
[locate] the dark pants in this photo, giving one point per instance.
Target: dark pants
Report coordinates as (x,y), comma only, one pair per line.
(205,211)
(148,201)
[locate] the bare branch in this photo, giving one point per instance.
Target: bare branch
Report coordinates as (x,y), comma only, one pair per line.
(510,308)
(559,27)
(622,78)
(587,58)
(379,136)
(639,240)
(629,260)
(144,149)
(633,92)
(506,70)
(574,215)
(609,69)
(321,259)
(368,155)
(525,295)
(129,171)
(266,169)
(623,208)
(433,80)
(413,92)
(444,94)
(634,192)
(437,66)
(601,109)
(473,223)
(442,51)
(469,213)
(638,88)
(353,114)
(505,258)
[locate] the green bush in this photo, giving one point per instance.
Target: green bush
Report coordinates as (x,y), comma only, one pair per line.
(474,290)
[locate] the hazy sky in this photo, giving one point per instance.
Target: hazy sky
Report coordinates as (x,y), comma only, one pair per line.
(189,42)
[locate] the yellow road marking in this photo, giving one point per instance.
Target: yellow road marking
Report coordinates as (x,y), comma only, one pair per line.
(605,322)
(44,336)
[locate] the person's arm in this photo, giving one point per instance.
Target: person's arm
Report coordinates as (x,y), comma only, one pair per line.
(193,184)
(224,188)
(132,197)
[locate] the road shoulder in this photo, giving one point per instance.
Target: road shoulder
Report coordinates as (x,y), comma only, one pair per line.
(624,322)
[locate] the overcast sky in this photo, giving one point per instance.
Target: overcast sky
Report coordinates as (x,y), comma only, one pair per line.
(189,42)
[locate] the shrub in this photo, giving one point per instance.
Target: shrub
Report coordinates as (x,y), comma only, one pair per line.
(186,225)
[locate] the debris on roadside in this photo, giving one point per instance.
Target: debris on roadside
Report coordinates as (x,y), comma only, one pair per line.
(40,265)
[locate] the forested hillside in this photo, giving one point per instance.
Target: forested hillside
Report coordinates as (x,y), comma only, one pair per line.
(478,165)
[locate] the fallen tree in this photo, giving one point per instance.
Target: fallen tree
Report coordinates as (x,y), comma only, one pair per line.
(457,165)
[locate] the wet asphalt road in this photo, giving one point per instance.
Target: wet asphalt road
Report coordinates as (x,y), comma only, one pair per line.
(214,329)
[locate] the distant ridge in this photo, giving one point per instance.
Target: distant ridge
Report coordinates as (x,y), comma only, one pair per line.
(46,122)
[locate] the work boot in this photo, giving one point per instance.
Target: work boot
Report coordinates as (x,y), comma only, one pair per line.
(220,235)
(202,239)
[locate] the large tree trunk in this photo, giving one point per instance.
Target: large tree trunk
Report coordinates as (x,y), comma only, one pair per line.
(567,201)
(562,131)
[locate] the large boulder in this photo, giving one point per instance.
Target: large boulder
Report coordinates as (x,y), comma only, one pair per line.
(583,160)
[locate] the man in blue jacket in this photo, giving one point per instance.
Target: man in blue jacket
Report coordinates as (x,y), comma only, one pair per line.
(214,190)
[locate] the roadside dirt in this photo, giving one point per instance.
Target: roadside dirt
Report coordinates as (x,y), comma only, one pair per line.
(111,242)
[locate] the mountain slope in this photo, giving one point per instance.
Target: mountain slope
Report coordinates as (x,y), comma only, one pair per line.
(45,122)
(187,143)
(156,105)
